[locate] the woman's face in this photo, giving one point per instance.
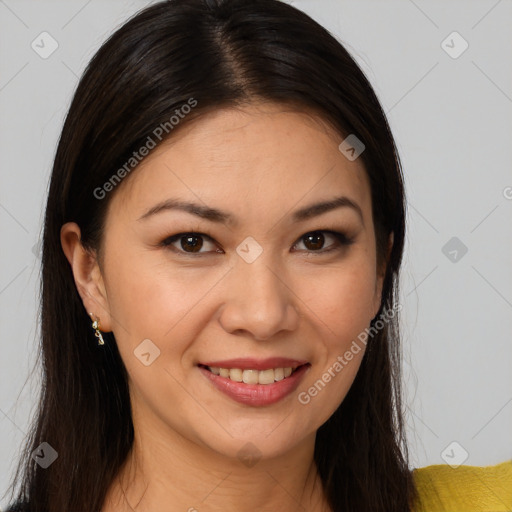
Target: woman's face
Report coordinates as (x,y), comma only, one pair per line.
(258,281)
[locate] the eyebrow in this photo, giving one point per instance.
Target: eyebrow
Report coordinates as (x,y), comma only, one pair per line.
(219,216)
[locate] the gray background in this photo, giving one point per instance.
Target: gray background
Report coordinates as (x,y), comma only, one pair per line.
(452,119)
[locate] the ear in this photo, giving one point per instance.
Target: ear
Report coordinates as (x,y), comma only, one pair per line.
(381,273)
(87,275)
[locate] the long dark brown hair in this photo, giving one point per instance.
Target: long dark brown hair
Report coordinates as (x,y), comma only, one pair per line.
(222,53)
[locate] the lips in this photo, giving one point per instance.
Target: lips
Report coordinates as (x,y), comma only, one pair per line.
(245,363)
(255,382)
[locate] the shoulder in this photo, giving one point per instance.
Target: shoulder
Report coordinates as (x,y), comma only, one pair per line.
(465,488)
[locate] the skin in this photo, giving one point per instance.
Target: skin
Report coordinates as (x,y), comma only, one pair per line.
(260,163)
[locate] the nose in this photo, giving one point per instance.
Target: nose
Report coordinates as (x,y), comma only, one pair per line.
(259,302)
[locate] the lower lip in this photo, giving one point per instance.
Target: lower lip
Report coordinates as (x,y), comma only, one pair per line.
(257,394)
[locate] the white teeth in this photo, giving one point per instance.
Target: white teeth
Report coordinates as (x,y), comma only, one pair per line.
(250,376)
(253,376)
(266,376)
(279,374)
(236,374)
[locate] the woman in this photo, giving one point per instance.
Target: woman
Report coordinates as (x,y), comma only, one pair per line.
(223,237)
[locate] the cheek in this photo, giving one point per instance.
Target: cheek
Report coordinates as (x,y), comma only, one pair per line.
(341,309)
(152,298)
(341,298)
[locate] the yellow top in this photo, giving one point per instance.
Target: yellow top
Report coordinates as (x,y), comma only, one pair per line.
(442,488)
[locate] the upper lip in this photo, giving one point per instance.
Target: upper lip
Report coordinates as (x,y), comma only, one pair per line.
(247,363)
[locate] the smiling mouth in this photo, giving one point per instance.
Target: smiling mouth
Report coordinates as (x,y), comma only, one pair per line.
(250,376)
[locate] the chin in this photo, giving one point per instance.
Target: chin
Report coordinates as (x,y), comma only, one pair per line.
(251,443)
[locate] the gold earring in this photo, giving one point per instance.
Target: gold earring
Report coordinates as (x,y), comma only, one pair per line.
(97,332)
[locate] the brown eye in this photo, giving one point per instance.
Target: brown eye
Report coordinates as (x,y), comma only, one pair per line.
(191,243)
(314,241)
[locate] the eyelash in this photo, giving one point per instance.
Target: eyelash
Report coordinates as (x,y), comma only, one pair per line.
(342,241)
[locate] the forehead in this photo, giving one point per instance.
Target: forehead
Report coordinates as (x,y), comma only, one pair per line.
(256,160)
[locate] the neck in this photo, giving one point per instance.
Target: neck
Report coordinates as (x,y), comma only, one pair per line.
(172,473)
